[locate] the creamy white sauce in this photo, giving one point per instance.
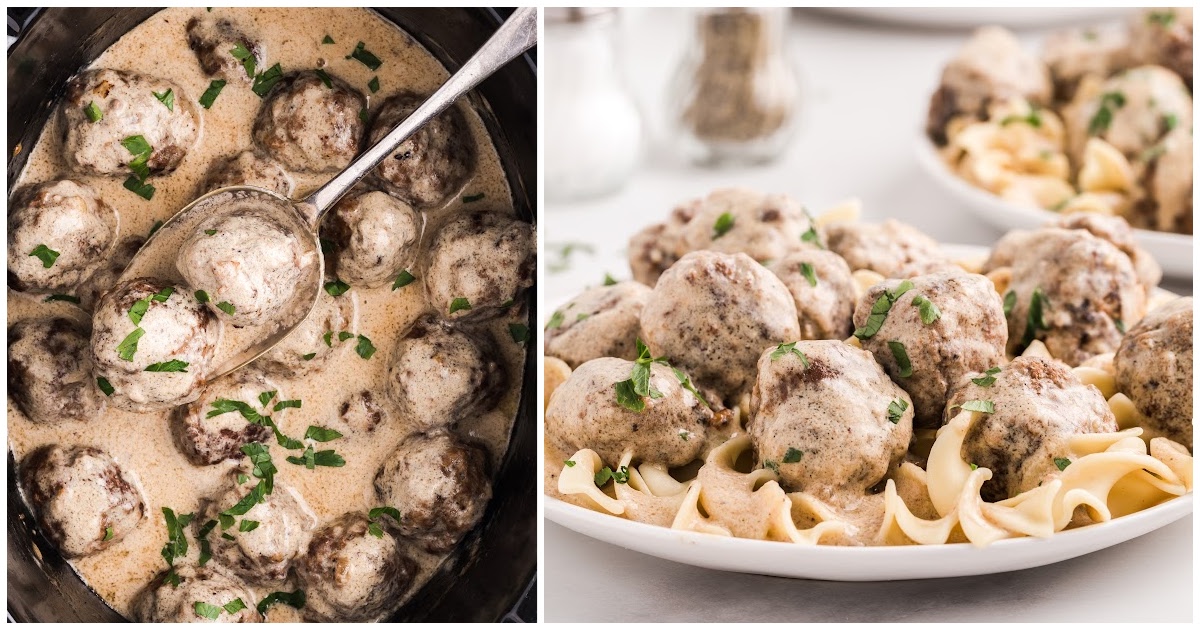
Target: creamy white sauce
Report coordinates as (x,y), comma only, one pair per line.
(142,442)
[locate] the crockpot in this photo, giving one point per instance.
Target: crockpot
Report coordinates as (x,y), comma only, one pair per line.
(489,576)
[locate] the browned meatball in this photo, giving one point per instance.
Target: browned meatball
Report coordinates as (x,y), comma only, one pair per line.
(891,248)
(434,163)
(441,486)
(163,602)
(248,168)
(353,572)
(308,126)
(600,322)
(440,374)
(208,432)
(363,411)
(823,290)
(584,412)
(128,107)
(733,220)
(1132,111)
(1163,36)
(826,417)
(50,371)
(712,314)
(1039,405)
(326,332)
(266,552)
(479,264)
(84,502)
(945,326)
(173,331)
(1075,53)
(1167,179)
(376,237)
(1116,230)
(106,276)
(213,39)
(990,67)
(1074,292)
(658,246)
(1154,368)
(59,234)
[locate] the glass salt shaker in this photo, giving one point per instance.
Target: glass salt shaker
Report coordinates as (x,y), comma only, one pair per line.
(593,130)
(735,95)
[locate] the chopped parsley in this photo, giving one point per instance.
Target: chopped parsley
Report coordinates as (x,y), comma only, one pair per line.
(928,311)
(1170,121)
(519,333)
(365,56)
(1120,324)
(59,297)
(373,84)
(1103,117)
(374,515)
(569,462)
(208,611)
(294,599)
(722,225)
(309,356)
(139,187)
(243,54)
(809,273)
(363,115)
(266,397)
(202,296)
(810,235)
(982,406)
(154,228)
(364,347)
(789,348)
(128,346)
(227,307)
(772,465)
(1010,300)
(210,95)
(472,198)
(108,534)
(45,254)
(561,255)
(686,383)
(620,475)
(93,112)
(1062,463)
(328,40)
(631,392)
(235,606)
(325,78)
(792,455)
(609,280)
(556,320)
(247,525)
(404,279)
(896,409)
(459,304)
(1162,18)
(1033,119)
(210,232)
(264,81)
(988,377)
(163,295)
(286,404)
(336,287)
(105,386)
(1036,318)
(166,98)
(901,355)
(582,316)
(879,310)
(174,365)
(320,434)
(177,545)
(141,151)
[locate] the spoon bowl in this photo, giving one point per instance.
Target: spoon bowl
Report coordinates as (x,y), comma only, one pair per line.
(300,219)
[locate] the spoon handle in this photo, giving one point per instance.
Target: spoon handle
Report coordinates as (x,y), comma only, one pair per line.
(515,36)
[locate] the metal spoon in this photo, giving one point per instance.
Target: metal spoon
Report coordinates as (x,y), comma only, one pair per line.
(239,346)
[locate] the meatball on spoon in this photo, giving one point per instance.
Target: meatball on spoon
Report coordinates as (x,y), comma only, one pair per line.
(253,256)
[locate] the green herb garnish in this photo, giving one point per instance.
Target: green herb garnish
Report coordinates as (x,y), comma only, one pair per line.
(364,347)
(227,307)
(793,455)
(58,297)
(139,187)
(105,386)
(1062,463)
(404,279)
(896,409)
(93,112)
(556,320)
(789,348)
(365,56)
(988,377)
(286,404)
(901,355)
(459,304)
(294,599)
(210,95)
(336,287)
(809,273)
(174,365)
(982,406)
(166,98)
(325,78)
(1103,117)
(264,81)
(519,333)
(208,611)
(928,311)
(128,346)
(373,84)
(879,310)
(45,254)
(722,225)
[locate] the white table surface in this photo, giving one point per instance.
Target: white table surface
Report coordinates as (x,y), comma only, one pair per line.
(865,89)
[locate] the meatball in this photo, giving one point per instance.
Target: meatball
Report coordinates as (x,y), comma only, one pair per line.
(212,39)
(1131,111)
(1154,367)
(208,433)
(600,322)
(84,502)
(248,263)
(891,248)
(1168,182)
(163,602)
(1116,230)
(828,418)
(285,526)
(990,67)
(1073,291)
(127,105)
(161,361)
(479,263)
(59,234)
(1075,53)
(441,486)
(823,290)
(658,246)
(324,333)
(434,163)
(110,269)
(308,126)
(1039,405)
(1163,37)
(584,412)
(376,236)
(248,168)
(712,314)
(732,220)
(362,412)
(440,374)
(350,574)
(947,325)
(50,371)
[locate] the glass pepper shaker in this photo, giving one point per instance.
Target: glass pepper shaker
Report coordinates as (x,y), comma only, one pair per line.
(735,96)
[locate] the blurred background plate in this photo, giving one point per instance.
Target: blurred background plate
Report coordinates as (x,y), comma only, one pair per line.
(971,18)
(1172,251)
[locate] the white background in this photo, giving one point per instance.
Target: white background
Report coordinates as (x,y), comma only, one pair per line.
(865,90)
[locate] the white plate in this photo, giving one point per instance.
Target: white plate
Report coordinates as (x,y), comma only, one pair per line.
(1172,251)
(959,17)
(861,564)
